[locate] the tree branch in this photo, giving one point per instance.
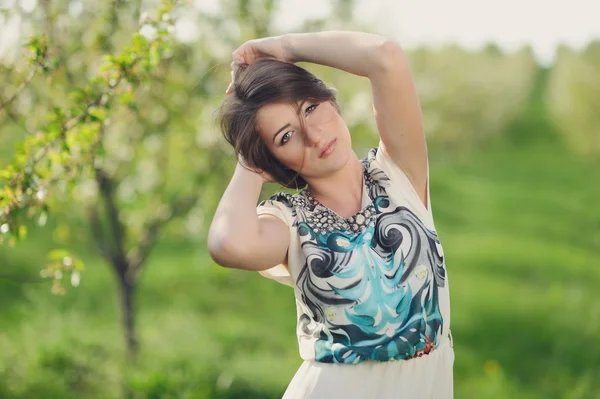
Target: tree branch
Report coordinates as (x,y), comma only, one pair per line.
(21,280)
(50,23)
(105,185)
(19,90)
(141,252)
(98,234)
(18,121)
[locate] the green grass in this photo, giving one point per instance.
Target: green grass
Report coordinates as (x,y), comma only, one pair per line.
(521,240)
(520,227)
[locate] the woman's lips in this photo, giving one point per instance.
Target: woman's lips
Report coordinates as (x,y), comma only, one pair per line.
(328,149)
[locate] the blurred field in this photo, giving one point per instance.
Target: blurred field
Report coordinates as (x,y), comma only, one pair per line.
(520,226)
(515,182)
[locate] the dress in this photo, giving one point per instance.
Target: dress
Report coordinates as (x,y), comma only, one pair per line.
(372,297)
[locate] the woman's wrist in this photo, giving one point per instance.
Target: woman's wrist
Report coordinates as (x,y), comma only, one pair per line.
(287,48)
(358,53)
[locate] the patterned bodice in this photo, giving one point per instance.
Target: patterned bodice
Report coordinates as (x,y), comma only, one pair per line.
(367,287)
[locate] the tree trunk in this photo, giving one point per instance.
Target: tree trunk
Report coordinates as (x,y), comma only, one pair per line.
(127,314)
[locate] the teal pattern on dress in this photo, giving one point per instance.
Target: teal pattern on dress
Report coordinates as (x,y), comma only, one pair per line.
(369,284)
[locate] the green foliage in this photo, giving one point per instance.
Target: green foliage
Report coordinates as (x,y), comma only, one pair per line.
(470,97)
(520,249)
(61,262)
(66,143)
(573,98)
(91,107)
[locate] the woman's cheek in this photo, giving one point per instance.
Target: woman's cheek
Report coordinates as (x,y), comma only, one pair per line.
(295,164)
(290,158)
(295,154)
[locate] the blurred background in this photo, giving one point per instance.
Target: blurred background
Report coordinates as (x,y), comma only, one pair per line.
(510,93)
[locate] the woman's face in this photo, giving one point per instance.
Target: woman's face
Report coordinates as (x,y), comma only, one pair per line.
(321,149)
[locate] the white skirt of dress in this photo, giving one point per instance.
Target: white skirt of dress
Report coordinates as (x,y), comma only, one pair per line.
(426,377)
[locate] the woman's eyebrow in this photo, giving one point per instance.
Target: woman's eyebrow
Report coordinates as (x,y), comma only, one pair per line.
(280,130)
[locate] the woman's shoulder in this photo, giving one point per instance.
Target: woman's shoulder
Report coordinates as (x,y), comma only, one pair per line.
(375,168)
(300,199)
(280,197)
(390,176)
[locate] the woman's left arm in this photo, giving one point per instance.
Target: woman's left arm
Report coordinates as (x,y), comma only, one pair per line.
(395,101)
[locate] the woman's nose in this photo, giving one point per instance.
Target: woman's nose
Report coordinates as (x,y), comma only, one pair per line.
(314,136)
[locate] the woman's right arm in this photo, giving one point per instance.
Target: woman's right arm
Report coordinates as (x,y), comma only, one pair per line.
(238,237)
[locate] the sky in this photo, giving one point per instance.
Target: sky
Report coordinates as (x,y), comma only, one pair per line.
(470,23)
(511,24)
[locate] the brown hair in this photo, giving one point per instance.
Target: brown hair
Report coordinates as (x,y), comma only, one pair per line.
(264,82)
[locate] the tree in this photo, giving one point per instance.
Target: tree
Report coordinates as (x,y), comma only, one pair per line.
(572,97)
(115,148)
(134,150)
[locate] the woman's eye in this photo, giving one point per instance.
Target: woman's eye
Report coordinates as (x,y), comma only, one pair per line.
(286,137)
(311,108)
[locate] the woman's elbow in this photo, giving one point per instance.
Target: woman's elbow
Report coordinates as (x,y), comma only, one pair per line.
(390,55)
(222,251)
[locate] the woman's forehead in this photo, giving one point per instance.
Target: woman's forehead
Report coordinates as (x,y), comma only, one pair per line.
(272,117)
(289,106)
(276,112)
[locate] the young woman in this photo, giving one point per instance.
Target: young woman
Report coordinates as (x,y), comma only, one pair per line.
(357,241)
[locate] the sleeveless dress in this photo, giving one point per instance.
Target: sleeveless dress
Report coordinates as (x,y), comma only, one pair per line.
(372,298)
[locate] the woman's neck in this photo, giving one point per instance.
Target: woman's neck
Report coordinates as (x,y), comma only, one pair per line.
(342,191)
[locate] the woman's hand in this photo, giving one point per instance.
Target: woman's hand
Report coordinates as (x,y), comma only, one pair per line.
(256,49)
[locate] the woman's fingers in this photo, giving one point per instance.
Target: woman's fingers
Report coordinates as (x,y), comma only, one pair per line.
(239,56)
(235,67)
(230,87)
(242,56)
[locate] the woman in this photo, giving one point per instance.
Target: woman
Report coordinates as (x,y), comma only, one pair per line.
(357,243)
